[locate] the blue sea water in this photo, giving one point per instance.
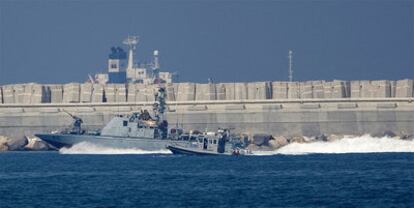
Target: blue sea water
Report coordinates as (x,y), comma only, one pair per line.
(50,179)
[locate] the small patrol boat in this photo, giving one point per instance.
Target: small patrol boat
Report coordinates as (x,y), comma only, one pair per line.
(218,143)
(138,130)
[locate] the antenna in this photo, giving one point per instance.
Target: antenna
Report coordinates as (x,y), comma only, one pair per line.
(156,63)
(131,42)
(290,66)
(156,67)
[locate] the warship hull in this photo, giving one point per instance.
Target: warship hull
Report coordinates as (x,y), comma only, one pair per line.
(68,140)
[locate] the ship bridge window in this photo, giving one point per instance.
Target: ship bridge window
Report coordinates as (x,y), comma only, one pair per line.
(125,123)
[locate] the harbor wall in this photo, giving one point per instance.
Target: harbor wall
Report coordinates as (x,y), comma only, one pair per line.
(280,108)
(33,93)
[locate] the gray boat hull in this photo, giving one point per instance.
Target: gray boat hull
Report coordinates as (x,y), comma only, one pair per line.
(68,140)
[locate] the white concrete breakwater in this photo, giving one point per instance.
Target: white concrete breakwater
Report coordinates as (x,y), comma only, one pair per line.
(279,108)
(33,93)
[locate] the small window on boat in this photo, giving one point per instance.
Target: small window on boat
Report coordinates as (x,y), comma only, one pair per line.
(125,123)
(215,141)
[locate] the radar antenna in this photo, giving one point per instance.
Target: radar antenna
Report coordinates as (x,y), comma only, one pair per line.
(131,42)
(290,66)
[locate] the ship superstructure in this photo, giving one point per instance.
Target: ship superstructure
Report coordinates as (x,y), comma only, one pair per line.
(122,67)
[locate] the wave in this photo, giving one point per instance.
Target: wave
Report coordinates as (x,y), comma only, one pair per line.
(360,144)
(93,149)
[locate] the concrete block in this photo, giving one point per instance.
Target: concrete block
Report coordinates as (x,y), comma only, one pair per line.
(86,90)
(115,93)
(370,89)
(186,92)
(279,90)
(240,91)
(318,89)
(171,91)
(27,93)
(121,93)
(19,94)
(356,89)
(220,91)
(97,93)
(258,90)
(230,91)
(205,92)
(150,92)
(335,89)
(9,94)
(404,88)
(293,90)
(380,88)
(393,88)
(366,89)
(134,92)
(30,93)
(71,93)
(56,93)
(306,89)
(36,93)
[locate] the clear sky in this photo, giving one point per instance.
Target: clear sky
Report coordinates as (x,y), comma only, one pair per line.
(64,41)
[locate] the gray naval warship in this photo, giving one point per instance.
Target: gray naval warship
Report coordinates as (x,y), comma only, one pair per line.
(138,130)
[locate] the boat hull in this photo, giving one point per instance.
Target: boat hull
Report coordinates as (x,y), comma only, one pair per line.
(192,151)
(68,140)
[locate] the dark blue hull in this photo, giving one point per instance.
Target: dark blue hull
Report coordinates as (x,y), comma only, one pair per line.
(192,151)
(68,140)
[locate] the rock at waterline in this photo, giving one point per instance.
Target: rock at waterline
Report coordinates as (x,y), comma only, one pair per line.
(12,144)
(334,137)
(297,139)
(386,133)
(278,142)
(261,139)
(36,144)
(407,137)
(3,143)
(253,147)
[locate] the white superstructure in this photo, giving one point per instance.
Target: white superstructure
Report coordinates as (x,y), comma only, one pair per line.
(122,68)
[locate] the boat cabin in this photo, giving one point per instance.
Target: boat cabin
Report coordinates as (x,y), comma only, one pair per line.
(212,143)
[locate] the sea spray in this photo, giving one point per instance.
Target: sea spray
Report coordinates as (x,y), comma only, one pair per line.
(359,144)
(89,148)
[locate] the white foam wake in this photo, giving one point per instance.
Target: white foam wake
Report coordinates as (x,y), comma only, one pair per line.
(361,144)
(89,148)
